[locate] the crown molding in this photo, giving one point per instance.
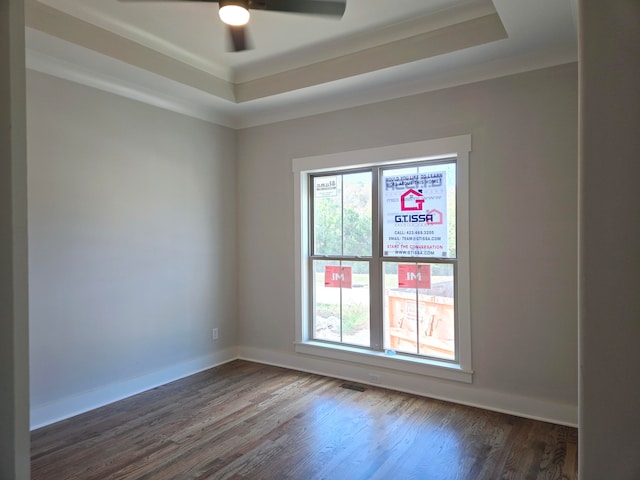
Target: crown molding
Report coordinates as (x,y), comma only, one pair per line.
(66,27)
(89,68)
(462,46)
(55,57)
(417,39)
(459,36)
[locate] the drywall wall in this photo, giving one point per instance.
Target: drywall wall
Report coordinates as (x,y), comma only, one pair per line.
(609,232)
(523,196)
(132,246)
(14,358)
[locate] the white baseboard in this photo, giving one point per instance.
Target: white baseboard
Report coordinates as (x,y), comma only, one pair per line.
(519,405)
(46,414)
(537,409)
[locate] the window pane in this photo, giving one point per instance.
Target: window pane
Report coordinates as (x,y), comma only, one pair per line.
(419,316)
(419,211)
(341,302)
(342,214)
(357,214)
(327,215)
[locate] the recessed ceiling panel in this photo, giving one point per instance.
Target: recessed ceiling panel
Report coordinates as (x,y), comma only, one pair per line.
(192,33)
(301,64)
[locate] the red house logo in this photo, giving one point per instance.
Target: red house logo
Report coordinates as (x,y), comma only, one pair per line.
(435,217)
(411,200)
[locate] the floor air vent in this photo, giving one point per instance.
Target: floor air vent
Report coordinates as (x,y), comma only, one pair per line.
(353,386)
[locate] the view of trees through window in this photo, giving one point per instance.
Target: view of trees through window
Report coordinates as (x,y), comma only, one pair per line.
(342,215)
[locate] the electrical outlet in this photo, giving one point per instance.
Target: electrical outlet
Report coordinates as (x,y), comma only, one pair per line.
(374,378)
(214,334)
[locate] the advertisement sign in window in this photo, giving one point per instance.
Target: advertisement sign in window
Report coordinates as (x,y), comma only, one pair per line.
(415,215)
(326,187)
(414,275)
(337,277)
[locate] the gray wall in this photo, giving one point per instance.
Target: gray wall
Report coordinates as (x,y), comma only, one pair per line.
(609,237)
(133,238)
(14,366)
(523,196)
(523,200)
(132,244)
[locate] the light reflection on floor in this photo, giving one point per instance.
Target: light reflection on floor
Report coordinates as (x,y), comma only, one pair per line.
(381,431)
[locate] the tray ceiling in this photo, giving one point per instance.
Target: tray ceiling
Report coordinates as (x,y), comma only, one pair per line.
(179,50)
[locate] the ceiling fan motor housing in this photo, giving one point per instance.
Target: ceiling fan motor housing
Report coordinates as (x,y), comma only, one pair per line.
(240,3)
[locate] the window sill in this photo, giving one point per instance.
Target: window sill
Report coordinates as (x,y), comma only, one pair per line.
(403,363)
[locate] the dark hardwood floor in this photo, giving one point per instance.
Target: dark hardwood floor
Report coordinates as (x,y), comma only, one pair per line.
(245,420)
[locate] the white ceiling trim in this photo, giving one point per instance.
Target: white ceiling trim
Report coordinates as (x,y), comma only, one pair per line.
(88,13)
(463,44)
(53,22)
(449,39)
(42,63)
(86,67)
(191,32)
(442,32)
(392,84)
(342,47)
(59,58)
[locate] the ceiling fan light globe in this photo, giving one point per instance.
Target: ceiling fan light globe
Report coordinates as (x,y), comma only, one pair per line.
(235,15)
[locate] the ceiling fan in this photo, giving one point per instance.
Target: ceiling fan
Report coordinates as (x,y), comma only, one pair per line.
(236,13)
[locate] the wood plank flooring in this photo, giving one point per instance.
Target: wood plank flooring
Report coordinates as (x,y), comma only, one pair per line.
(245,420)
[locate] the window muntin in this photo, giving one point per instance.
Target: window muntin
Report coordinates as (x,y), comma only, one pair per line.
(416,205)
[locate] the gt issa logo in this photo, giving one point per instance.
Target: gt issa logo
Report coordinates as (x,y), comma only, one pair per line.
(411,200)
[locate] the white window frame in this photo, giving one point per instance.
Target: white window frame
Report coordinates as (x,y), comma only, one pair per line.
(459,147)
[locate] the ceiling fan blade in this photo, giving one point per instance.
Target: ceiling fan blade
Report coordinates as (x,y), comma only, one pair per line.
(239,40)
(333,8)
(167,1)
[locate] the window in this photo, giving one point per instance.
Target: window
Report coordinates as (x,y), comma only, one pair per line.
(382,271)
